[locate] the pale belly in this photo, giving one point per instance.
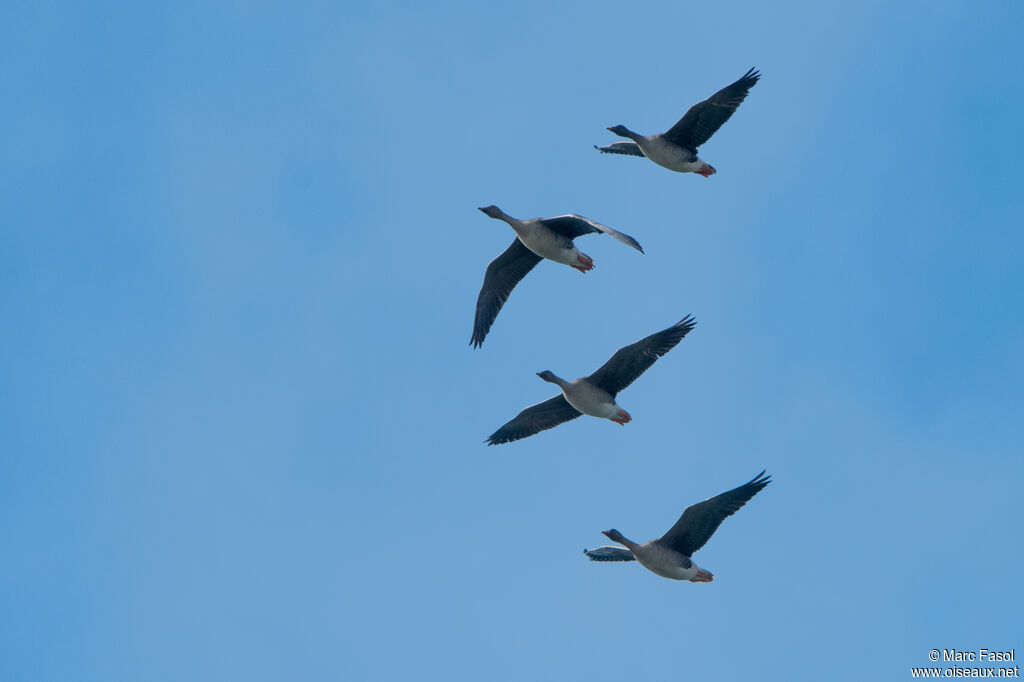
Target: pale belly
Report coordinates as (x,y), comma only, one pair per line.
(552,247)
(665,563)
(593,402)
(670,156)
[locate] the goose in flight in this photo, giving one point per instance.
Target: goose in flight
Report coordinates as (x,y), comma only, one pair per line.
(593,395)
(536,239)
(676,149)
(669,555)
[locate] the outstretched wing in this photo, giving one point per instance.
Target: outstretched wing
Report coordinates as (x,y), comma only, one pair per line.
(573,225)
(630,362)
(503,274)
(705,118)
(625,147)
(609,553)
(700,521)
(534,419)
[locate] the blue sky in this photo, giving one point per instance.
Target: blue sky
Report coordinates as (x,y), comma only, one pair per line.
(242,426)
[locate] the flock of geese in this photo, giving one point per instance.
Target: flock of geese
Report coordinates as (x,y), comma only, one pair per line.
(595,395)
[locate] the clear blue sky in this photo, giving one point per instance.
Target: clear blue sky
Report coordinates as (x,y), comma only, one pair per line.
(241,424)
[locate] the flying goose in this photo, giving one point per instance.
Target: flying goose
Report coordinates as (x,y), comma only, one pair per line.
(669,555)
(676,149)
(536,239)
(595,394)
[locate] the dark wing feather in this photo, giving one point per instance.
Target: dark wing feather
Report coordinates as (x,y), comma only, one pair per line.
(700,521)
(534,419)
(503,274)
(609,553)
(625,147)
(630,362)
(573,225)
(705,118)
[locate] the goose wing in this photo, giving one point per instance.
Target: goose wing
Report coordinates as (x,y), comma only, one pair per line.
(534,419)
(627,147)
(503,274)
(630,362)
(609,553)
(705,118)
(700,521)
(573,225)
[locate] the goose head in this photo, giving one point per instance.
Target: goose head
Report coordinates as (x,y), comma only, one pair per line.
(615,536)
(621,131)
(548,375)
(493,211)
